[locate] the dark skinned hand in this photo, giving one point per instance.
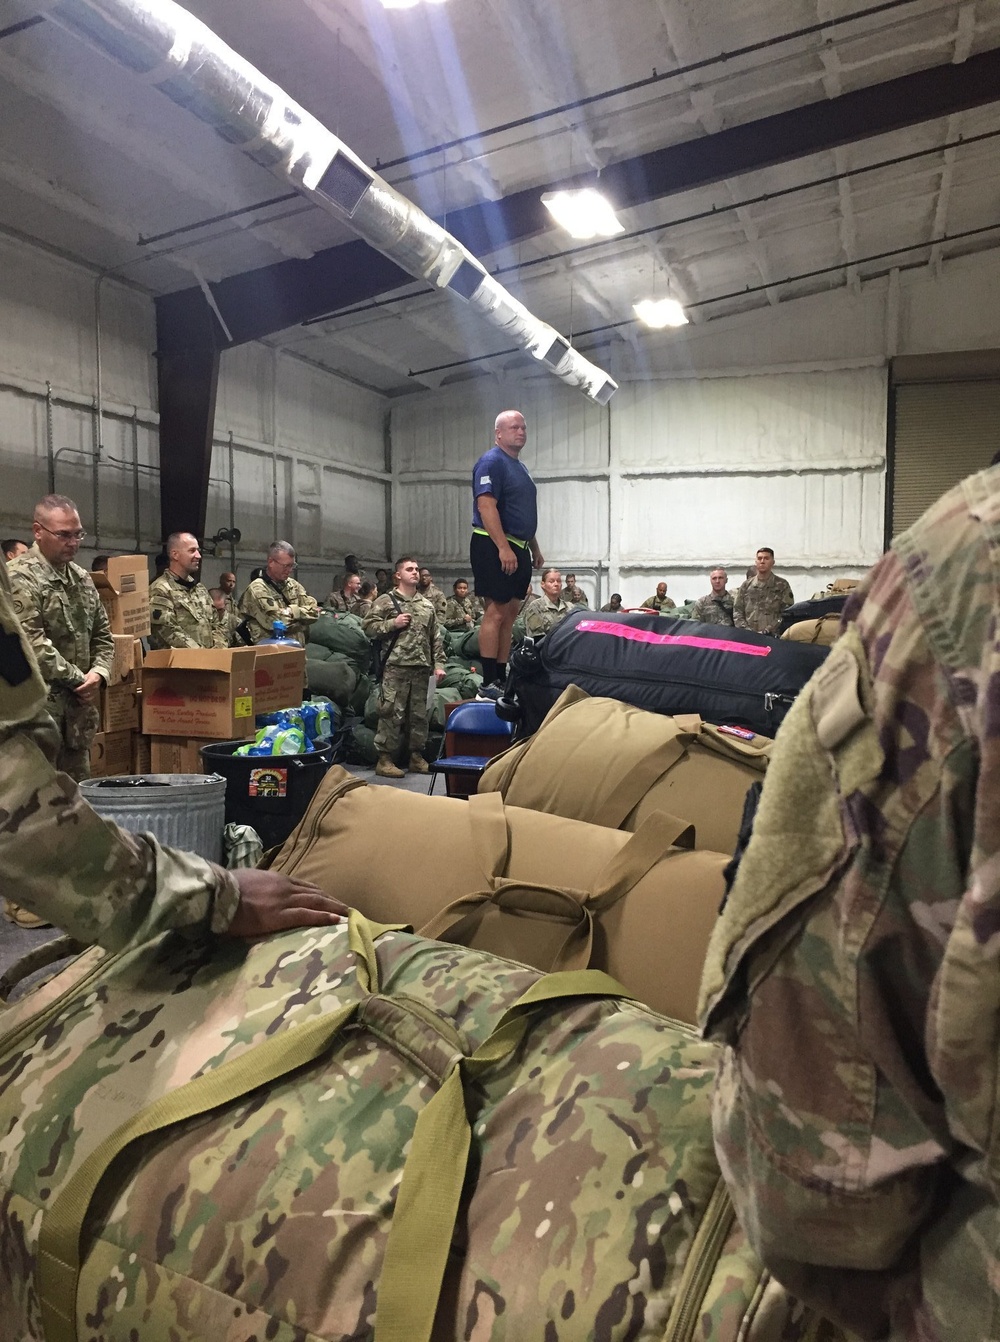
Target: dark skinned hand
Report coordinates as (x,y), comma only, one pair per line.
(271,902)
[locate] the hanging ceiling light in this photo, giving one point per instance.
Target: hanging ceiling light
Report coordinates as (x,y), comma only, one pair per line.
(660,312)
(584,213)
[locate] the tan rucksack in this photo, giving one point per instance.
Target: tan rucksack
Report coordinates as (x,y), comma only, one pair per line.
(825,630)
(613,764)
(549,892)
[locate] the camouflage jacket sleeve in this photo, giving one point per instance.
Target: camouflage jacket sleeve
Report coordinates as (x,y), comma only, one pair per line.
(57,857)
(534,621)
(102,645)
(304,608)
(456,616)
(740,608)
(852,974)
(437,642)
(27,606)
(379,622)
(95,881)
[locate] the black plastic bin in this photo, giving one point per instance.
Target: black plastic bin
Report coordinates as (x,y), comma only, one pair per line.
(269,792)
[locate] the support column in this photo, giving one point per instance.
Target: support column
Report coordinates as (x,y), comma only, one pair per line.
(188,381)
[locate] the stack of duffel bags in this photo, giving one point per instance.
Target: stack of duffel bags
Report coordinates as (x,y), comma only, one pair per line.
(497,1127)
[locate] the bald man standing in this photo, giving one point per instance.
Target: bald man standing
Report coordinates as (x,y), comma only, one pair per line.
(503,547)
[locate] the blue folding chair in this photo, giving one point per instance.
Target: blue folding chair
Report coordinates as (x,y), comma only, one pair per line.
(474,720)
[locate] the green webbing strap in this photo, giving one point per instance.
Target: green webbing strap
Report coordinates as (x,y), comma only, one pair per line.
(423,1221)
(58,1271)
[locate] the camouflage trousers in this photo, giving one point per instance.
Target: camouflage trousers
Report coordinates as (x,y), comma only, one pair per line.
(77,725)
(402,709)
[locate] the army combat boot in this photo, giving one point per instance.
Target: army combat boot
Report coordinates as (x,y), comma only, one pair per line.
(386,769)
(418,765)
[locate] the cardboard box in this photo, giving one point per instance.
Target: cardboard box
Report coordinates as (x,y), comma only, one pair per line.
(124,589)
(110,754)
(123,664)
(141,757)
(120,707)
(194,692)
(279,678)
(176,754)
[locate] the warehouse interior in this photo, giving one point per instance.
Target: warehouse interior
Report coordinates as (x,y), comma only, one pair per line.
(815,182)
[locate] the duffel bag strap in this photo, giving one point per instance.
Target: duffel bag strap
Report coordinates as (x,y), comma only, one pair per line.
(654,838)
(423,1221)
(58,1272)
(457,922)
(626,795)
(490,840)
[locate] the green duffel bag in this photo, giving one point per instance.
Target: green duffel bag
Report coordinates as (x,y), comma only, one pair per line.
(457,676)
(362,690)
(343,633)
(470,645)
(442,697)
(371,707)
(335,677)
(453,640)
(316,652)
(361,745)
(351,1132)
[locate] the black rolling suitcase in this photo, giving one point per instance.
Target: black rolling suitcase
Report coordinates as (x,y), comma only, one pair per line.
(729,676)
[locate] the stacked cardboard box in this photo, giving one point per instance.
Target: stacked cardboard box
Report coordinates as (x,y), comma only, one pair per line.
(192,697)
(124,590)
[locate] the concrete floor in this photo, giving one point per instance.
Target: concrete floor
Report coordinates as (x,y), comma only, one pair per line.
(16,942)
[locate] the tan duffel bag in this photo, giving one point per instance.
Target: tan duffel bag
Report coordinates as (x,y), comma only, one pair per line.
(549,892)
(825,630)
(612,764)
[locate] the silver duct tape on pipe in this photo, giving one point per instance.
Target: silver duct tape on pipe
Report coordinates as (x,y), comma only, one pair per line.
(170,48)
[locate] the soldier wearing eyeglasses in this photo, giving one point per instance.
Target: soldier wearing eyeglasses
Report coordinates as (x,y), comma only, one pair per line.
(58,606)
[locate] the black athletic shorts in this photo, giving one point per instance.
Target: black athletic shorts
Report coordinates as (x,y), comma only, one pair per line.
(489,577)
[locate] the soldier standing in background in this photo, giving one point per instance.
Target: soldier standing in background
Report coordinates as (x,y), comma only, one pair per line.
(60,611)
(547,610)
(576,596)
(717,606)
(13,548)
(762,598)
(415,649)
(615,604)
(459,609)
(344,601)
(659,601)
(276,595)
(97,882)
(181,611)
(427,587)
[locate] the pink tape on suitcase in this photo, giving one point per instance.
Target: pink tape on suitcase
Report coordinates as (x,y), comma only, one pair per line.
(682,640)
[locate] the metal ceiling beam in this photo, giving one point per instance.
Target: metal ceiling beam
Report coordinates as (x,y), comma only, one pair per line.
(260,302)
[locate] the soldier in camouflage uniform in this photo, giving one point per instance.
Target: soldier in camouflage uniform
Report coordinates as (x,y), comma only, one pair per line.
(427,587)
(408,619)
(460,608)
(99,883)
(576,596)
(181,611)
(61,612)
(546,611)
(717,606)
(761,599)
(853,975)
(277,596)
(659,601)
(345,599)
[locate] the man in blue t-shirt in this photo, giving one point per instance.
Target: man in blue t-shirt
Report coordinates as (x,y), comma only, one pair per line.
(503,546)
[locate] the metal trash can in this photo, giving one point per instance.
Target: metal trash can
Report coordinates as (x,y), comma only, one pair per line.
(269,792)
(182,810)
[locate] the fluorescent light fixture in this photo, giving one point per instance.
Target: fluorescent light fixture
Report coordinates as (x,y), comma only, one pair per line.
(584,213)
(660,312)
(407,4)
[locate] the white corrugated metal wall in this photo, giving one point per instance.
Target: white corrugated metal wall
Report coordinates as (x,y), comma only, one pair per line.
(308,448)
(674,476)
